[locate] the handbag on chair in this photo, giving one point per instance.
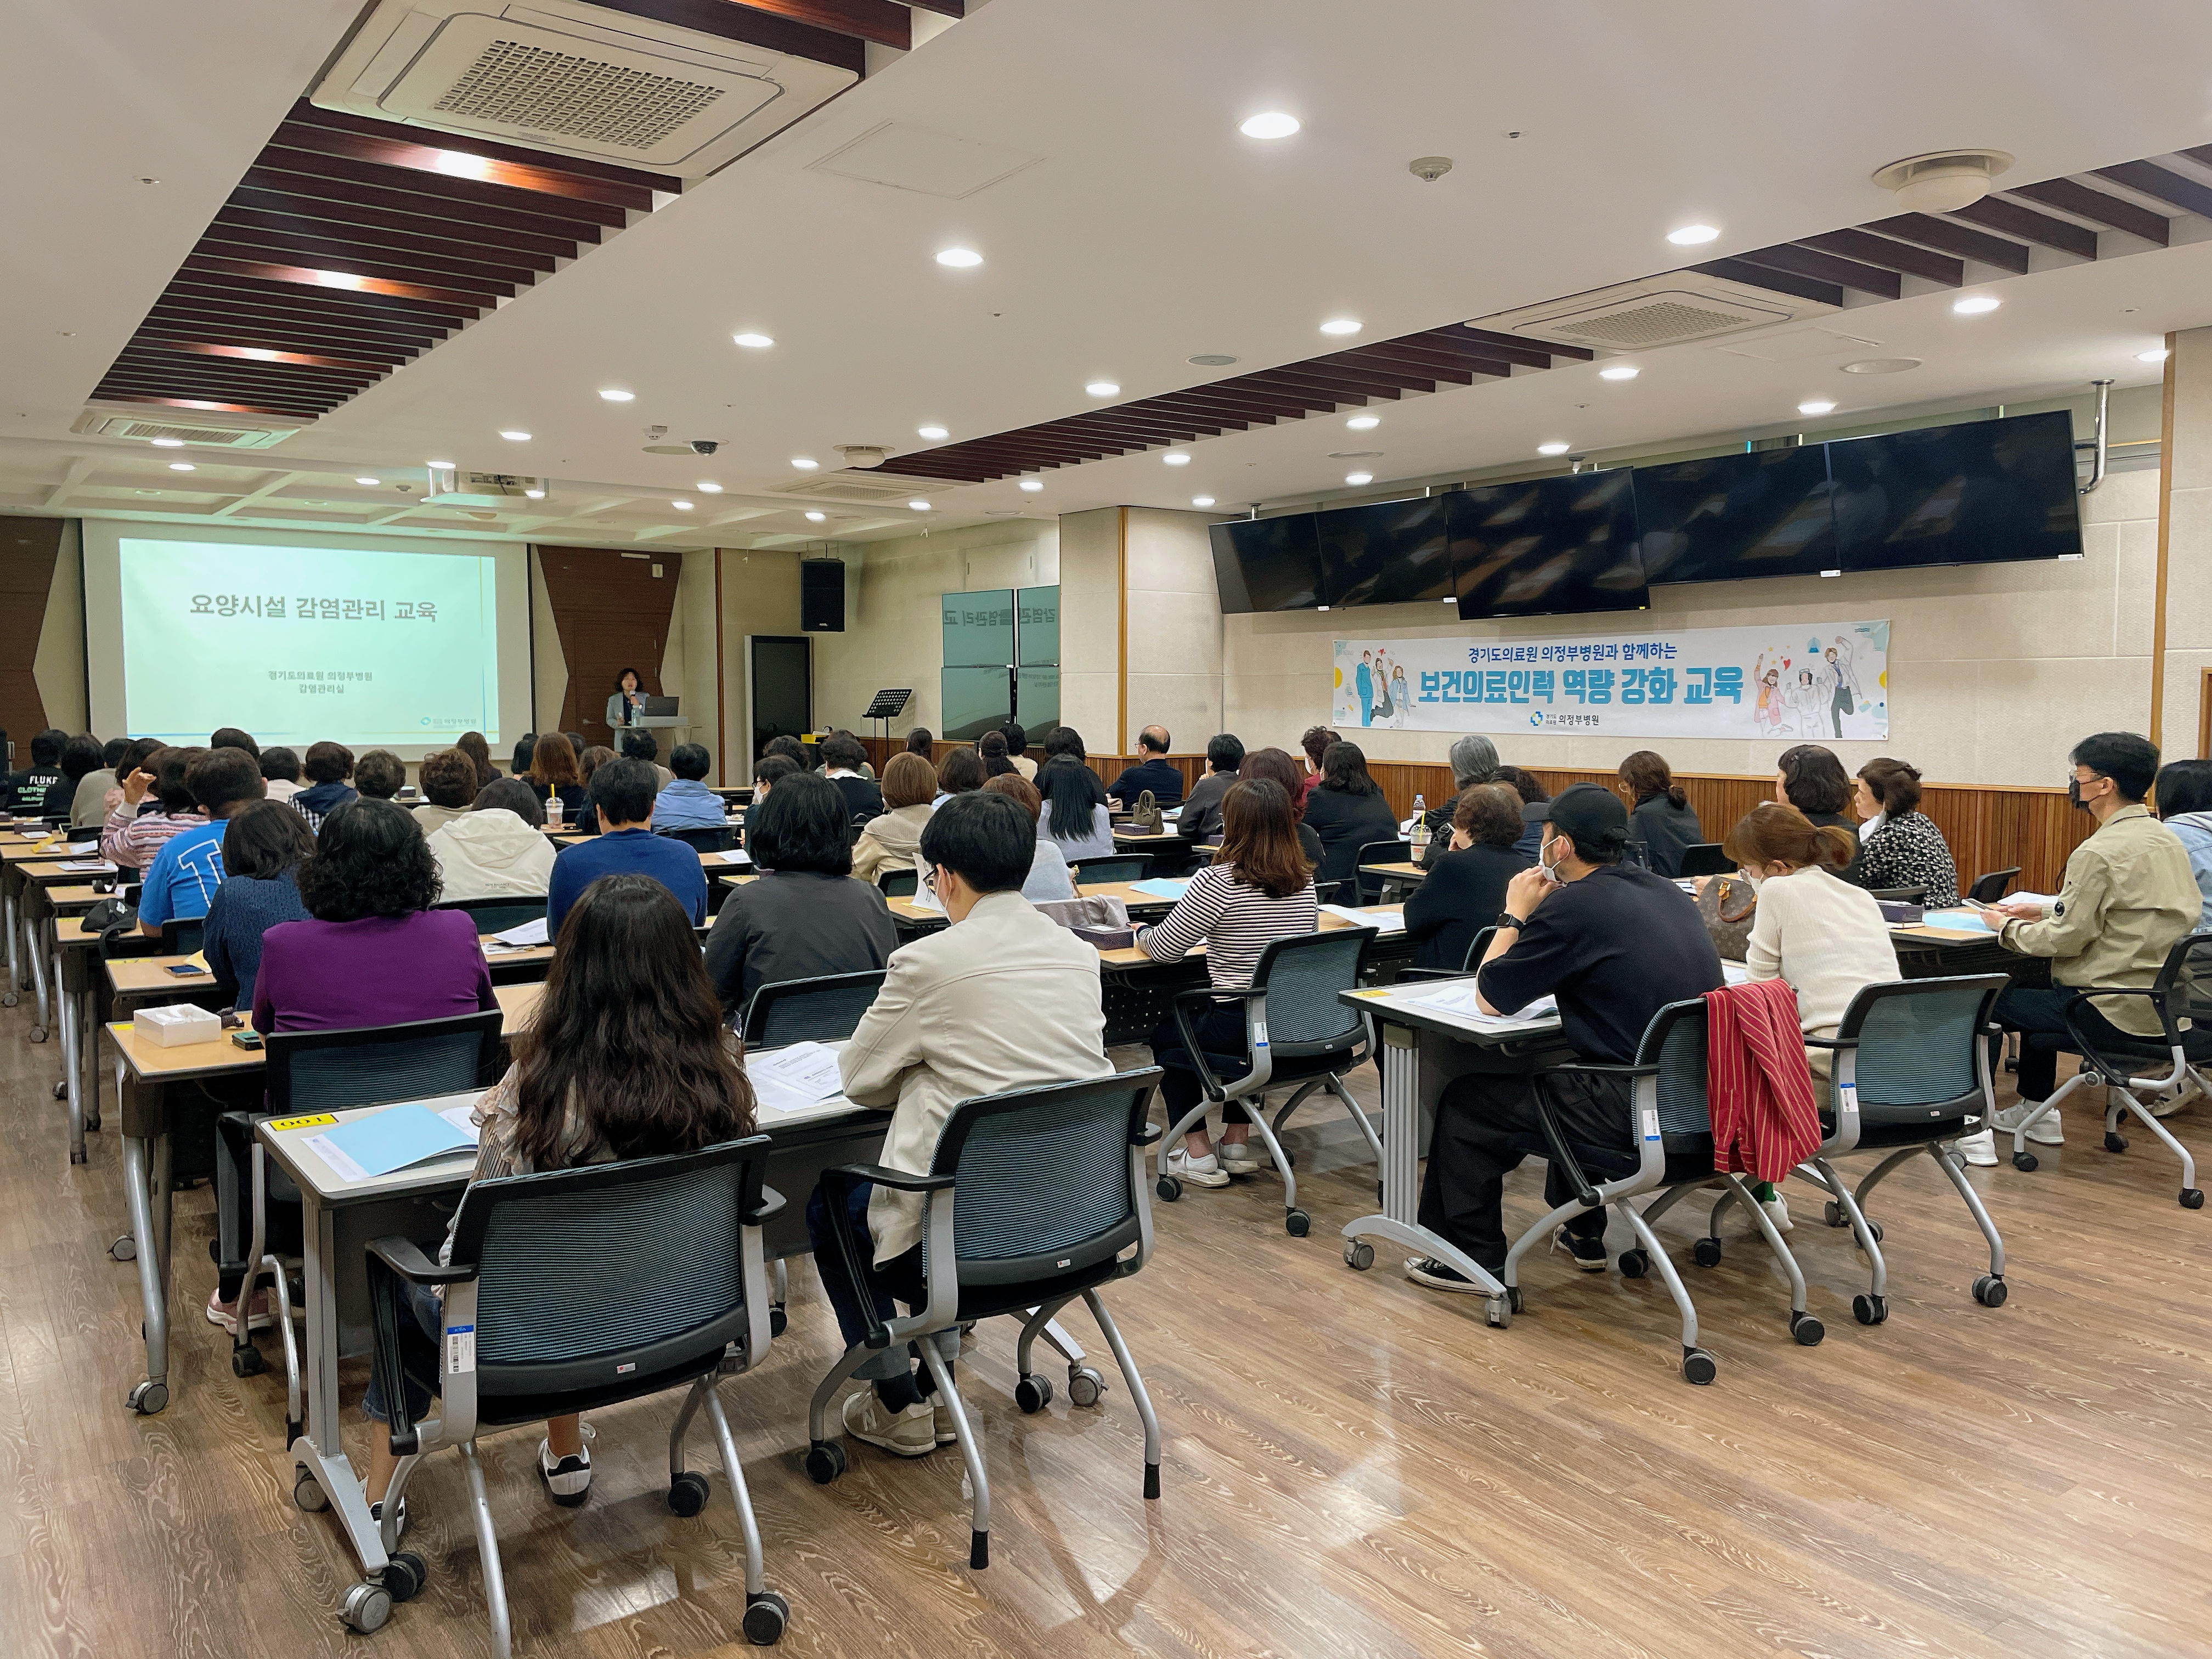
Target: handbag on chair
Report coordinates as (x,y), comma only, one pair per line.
(1146,815)
(1727,904)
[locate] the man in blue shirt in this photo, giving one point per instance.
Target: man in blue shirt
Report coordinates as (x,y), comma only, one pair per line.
(688,803)
(1152,773)
(623,795)
(181,881)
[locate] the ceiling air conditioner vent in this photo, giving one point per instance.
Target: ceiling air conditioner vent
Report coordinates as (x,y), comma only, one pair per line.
(1655,311)
(855,490)
(211,431)
(574,80)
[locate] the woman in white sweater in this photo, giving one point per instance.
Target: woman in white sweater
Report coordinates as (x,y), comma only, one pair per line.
(1824,936)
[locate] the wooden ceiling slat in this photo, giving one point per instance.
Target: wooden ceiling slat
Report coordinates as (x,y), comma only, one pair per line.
(373,189)
(878,21)
(2163,184)
(1345,386)
(378,240)
(1034,441)
(1954,238)
(166,358)
(423,153)
(377,310)
(243,242)
(198,346)
(455,301)
(132,377)
(944,8)
(1387,359)
(1206,421)
(1510,344)
(307,114)
(193,331)
(1245,405)
(1300,397)
(1872,250)
(107,393)
(1828,268)
(754,27)
(264,325)
(1782,282)
(1127,421)
(328,216)
(2101,206)
(1419,349)
(1995,213)
(1350,363)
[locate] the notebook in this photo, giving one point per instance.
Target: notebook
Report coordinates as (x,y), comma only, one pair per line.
(397,1138)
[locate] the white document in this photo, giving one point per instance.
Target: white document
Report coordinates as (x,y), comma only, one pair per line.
(77,849)
(459,1117)
(1456,997)
(327,1150)
(737,855)
(87,866)
(795,1078)
(527,934)
(1386,922)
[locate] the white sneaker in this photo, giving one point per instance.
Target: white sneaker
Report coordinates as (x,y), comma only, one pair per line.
(1195,1171)
(1980,1150)
(2044,1131)
(910,1433)
(1777,1211)
(568,1480)
(1242,1156)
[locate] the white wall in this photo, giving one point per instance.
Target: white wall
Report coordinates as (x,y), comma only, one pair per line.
(2189,541)
(1176,629)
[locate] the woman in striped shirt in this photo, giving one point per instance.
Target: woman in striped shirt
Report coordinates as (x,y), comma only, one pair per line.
(1260,889)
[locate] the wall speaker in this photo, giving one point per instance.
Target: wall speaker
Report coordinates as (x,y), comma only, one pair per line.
(821,596)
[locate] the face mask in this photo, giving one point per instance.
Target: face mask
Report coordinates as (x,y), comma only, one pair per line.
(2074,793)
(1749,879)
(1551,869)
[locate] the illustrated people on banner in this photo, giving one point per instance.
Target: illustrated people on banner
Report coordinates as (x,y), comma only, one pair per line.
(1844,696)
(1399,696)
(1363,681)
(1767,714)
(1808,698)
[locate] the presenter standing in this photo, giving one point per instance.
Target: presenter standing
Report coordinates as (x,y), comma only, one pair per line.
(628,701)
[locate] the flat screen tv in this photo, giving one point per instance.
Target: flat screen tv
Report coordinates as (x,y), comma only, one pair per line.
(1268,564)
(1387,552)
(1730,517)
(1548,546)
(1982,492)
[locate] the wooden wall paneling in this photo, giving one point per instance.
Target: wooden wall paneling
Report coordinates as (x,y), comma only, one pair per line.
(28,548)
(611,612)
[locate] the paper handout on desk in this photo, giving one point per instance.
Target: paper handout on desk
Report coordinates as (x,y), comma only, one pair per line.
(1166,887)
(737,855)
(397,1138)
(1456,997)
(1386,922)
(794,1079)
(523,937)
(85,866)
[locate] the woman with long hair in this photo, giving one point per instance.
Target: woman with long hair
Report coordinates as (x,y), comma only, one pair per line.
(1347,811)
(1260,889)
(1662,818)
(472,744)
(625,1058)
(1080,822)
(1049,877)
(1277,767)
(992,747)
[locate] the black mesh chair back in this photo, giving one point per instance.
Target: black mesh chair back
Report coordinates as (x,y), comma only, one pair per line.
(709,838)
(1916,1062)
(1305,977)
(1989,889)
(606,1282)
(1477,946)
(821,1010)
(1707,858)
(897,884)
(1900,895)
(496,915)
(1092,872)
(2185,985)
(1368,884)
(181,938)
(331,1071)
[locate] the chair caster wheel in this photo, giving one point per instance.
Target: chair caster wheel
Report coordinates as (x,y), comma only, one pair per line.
(1498,1311)
(1698,1366)
(37,1033)
(1634,1264)
(1833,1213)
(247,1362)
(777,1321)
(1707,1253)
(1873,1228)
(1085,1387)
(766,1614)
(1807,1329)
(2115,1143)
(825,1461)
(61,1090)
(148,1398)
(1297,1223)
(1870,1309)
(125,1249)
(2023,1160)
(404,1575)
(1169,1188)
(365,1607)
(1989,1291)
(1033,1394)
(308,1495)
(1359,1256)
(687,1493)
(8,1000)
(2191,1199)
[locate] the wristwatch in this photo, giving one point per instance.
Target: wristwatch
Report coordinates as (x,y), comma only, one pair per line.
(1508,920)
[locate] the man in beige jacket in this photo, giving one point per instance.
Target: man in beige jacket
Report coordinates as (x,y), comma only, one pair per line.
(939,1034)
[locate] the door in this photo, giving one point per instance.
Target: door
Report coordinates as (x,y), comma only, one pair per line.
(782,686)
(612,611)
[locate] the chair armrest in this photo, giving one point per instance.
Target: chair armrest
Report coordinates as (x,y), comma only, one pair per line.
(1831,1042)
(771,1206)
(855,1248)
(897,1180)
(1591,1068)
(1208,994)
(1563,1156)
(404,1258)
(1183,1003)
(1147,1135)
(1405,974)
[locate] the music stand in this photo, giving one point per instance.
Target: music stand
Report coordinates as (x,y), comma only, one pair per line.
(888,705)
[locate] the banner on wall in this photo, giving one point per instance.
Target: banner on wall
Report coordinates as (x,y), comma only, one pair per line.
(1815,683)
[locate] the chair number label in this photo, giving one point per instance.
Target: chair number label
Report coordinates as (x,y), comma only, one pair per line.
(1651,1125)
(1849,1094)
(1259,1033)
(460,1350)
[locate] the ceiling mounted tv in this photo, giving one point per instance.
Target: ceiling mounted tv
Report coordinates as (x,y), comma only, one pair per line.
(1731,517)
(1268,564)
(1387,552)
(1547,547)
(1983,492)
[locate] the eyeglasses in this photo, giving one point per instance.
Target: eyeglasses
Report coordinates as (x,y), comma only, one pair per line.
(929,878)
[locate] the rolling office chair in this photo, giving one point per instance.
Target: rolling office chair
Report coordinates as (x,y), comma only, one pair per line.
(1369,885)
(1091,873)
(1296,1034)
(1989,889)
(496,915)
(824,1009)
(1032,1197)
(181,938)
(1705,858)
(670,1250)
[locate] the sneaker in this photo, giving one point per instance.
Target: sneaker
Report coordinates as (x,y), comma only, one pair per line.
(941,1421)
(1980,1150)
(910,1433)
(376,1513)
(1242,1156)
(225,1314)
(2044,1131)
(568,1480)
(1427,1270)
(1588,1254)
(1777,1211)
(1195,1171)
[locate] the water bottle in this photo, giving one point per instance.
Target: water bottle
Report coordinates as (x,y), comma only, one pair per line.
(1420,831)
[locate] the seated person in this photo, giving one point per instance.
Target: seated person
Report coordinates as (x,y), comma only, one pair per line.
(525,749)
(939,1034)
(232,736)
(280,770)
(688,803)
(88,805)
(1474,760)
(1614,943)
(1079,822)
(1260,889)
(1201,812)
(153,805)
(1900,845)
(791,749)
(2184,805)
(328,765)
(24,791)
(801,919)
(380,775)
(644,746)
(1152,771)
(449,789)
(959,772)
(1812,780)
(1277,767)
(553,775)
(2128,894)
(1524,784)
(1018,741)
(626,1057)
(498,850)
(262,847)
(374,953)
(890,840)
(80,759)
(183,878)
(1347,811)
(842,757)
(1464,891)
(771,769)
(623,793)
(919,742)
(991,748)
(472,744)
(1049,876)
(1664,821)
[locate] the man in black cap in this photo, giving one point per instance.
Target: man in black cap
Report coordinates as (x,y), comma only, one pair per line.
(1614,943)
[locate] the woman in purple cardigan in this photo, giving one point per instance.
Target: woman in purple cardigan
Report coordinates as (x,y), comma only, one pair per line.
(374,952)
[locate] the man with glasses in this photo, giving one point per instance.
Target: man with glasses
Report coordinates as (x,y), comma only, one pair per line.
(2128,896)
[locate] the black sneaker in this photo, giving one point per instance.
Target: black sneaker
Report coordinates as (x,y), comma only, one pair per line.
(567,1482)
(1427,1270)
(1589,1253)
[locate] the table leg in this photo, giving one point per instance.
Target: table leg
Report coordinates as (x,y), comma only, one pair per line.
(72,1070)
(88,1051)
(42,1001)
(325,1478)
(141,1160)
(11,906)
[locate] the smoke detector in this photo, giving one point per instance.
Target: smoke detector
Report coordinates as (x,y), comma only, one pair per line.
(1943,182)
(864,455)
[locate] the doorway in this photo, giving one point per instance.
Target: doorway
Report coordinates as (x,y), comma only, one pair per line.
(780,674)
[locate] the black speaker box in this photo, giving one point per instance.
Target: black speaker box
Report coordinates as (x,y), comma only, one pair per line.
(821,596)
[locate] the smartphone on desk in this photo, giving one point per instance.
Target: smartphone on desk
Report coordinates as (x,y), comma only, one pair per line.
(184,970)
(246,1039)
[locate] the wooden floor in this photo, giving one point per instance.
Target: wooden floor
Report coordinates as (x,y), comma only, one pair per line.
(1352,1465)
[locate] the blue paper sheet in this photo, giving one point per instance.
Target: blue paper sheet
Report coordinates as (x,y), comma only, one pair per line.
(1163,887)
(1956,921)
(394,1138)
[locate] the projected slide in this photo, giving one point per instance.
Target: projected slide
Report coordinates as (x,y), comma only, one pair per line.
(301,643)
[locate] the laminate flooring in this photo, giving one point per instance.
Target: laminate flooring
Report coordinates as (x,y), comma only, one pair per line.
(1352,1465)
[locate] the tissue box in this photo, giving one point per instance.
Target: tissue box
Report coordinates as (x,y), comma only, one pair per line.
(1107,938)
(179,1022)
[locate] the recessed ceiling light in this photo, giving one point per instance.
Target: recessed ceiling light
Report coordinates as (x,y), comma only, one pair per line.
(1176,457)
(178,443)
(1033,485)
(2157,355)
(535,495)
(804,463)
(919,506)
(1817,406)
(1881,365)
(1551,449)
(1273,123)
(1340,326)
(516,437)
(706,488)
(816,517)
(1102,389)
(368,481)
(1692,235)
(1358,478)
(1201,500)
(182,466)
(1975,304)
(680,507)
(1365,422)
(439,466)
(753,342)
(615,394)
(933,433)
(960,258)
(1619,372)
